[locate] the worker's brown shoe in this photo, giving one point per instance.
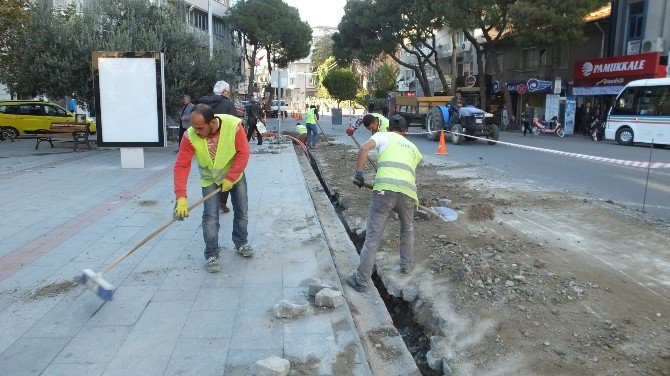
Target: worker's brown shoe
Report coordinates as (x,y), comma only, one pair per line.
(224,208)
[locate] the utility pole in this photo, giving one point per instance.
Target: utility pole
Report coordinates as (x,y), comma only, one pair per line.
(211,29)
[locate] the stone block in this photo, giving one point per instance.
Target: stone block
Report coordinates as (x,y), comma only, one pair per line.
(288,310)
(272,366)
(314,288)
(328,298)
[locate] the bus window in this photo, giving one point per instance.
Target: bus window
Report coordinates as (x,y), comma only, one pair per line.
(650,100)
(625,102)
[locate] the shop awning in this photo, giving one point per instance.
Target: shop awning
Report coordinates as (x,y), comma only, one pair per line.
(608,76)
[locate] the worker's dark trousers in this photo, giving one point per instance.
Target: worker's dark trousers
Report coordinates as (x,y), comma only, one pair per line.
(381,205)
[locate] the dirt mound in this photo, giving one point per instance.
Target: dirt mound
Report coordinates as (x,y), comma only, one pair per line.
(481,212)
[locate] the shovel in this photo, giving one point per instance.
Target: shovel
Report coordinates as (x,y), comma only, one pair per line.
(442,212)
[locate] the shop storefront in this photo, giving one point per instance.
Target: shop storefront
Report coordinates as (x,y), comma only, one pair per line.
(538,94)
(598,81)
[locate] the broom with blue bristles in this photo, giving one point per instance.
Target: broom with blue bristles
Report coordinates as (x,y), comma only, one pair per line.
(104,289)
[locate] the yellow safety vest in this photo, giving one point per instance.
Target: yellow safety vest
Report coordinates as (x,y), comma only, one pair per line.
(396,166)
(301,128)
(214,171)
(310,118)
(383,122)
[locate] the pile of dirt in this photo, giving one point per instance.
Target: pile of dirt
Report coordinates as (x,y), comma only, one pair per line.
(500,299)
(54,289)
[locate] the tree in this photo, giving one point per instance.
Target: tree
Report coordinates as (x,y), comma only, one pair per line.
(549,22)
(371,28)
(323,48)
(341,85)
(13,18)
(274,26)
(65,41)
(385,80)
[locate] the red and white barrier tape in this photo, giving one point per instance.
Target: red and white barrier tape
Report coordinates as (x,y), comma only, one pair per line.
(569,154)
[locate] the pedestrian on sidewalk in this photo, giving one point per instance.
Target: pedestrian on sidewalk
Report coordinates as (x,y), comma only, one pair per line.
(221,104)
(221,149)
(394,190)
(253,117)
(312,132)
(376,123)
(185,117)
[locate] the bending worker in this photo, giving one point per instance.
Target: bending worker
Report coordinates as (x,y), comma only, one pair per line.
(394,190)
(376,123)
(221,149)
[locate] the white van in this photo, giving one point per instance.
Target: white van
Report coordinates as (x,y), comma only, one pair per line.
(276,107)
(641,113)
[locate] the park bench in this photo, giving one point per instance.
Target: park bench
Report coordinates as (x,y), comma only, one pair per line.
(77,132)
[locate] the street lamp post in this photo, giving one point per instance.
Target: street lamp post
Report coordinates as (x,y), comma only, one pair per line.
(211,29)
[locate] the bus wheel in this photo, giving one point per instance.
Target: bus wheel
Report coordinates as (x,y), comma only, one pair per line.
(624,136)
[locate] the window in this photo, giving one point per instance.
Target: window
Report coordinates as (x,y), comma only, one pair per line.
(30,109)
(7,109)
(199,19)
(635,15)
(501,58)
(563,56)
(528,58)
(652,101)
(625,102)
(54,111)
(219,27)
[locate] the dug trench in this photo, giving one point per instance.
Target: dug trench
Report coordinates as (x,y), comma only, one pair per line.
(502,290)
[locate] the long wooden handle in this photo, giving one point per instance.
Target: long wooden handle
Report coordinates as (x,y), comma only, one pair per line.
(424,208)
(374,165)
(153,234)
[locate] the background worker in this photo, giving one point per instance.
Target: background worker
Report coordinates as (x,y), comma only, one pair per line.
(221,104)
(376,123)
(394,190)
(302,132)
(312,133)
(221,149)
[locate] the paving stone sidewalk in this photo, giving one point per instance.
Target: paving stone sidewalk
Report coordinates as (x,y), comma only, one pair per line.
(64,211)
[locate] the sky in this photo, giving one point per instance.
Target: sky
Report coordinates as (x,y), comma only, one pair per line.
(319,12)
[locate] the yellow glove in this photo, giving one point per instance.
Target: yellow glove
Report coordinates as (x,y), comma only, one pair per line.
(226,185)
(181,210)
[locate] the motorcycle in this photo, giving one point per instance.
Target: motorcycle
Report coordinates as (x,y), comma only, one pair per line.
(552,126)
(597,130)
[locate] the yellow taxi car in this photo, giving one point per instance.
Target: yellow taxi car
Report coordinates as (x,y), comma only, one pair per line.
(18,118)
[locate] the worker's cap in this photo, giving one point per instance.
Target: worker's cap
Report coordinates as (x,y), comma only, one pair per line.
(397,123)
(220,86)
(368,119)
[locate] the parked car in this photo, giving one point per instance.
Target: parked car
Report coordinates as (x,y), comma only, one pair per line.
(19,118)
(276,107)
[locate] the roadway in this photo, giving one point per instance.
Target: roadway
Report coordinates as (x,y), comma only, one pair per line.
(622,185)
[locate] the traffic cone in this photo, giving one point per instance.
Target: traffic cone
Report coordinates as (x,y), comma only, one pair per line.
(442,150)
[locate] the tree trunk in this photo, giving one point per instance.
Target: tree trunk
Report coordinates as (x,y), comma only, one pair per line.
(435,64)
(417,72)
(454,64)
(481,71)
(499,74)
(252,71)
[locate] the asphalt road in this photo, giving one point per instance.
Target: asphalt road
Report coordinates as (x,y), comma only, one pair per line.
(544,171)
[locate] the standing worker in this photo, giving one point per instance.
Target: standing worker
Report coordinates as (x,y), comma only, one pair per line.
(312,133)
(221,104)
(376,123)
(394,190)
(253,117)
(185,117)
(221,149)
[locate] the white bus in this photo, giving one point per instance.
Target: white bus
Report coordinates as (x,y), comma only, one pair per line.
(641,113)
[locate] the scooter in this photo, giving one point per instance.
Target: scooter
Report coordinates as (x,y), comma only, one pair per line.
(553,126)
(597,130)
